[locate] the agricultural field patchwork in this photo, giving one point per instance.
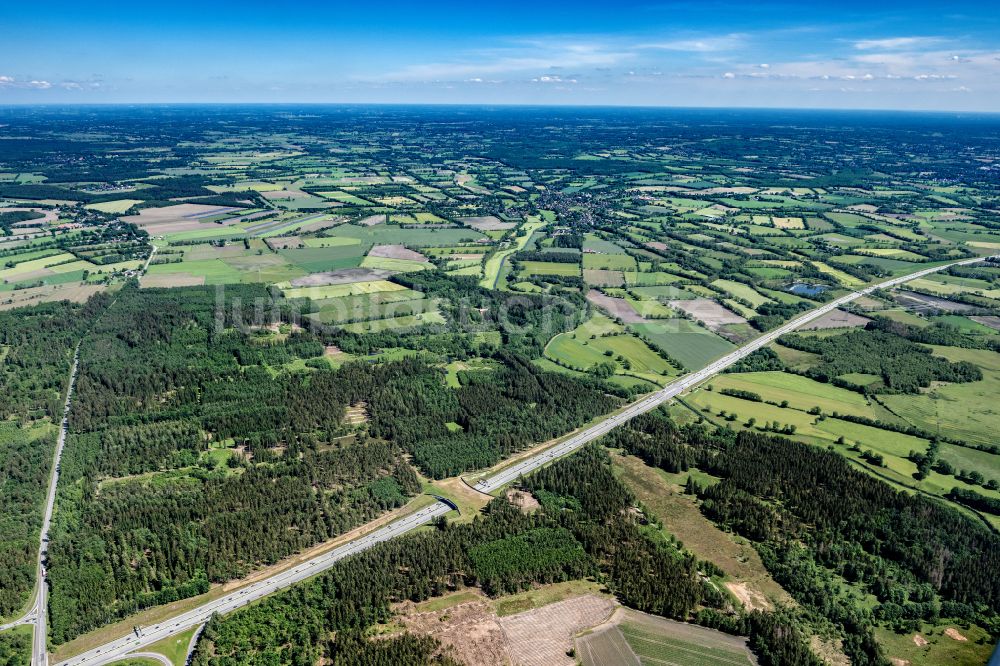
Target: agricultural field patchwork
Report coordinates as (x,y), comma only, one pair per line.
(343,310)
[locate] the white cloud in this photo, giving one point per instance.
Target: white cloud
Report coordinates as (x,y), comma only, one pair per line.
(552,79)
(537,55)
(894,43)
(976,67)
(699,45)
(10,81)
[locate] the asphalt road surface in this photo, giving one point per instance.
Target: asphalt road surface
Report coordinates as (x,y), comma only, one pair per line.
(119,648)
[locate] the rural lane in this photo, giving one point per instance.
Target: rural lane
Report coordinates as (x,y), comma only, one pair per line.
(125,645)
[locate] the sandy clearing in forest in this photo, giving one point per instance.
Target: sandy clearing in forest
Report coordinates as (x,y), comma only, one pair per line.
(468,631)
(831,651)
(751,599)
(919,640)
(953,634)
(523,500)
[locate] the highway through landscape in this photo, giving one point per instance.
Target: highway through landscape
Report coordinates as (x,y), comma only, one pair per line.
(40,607)
(117,649)
(146,636)
(682,384)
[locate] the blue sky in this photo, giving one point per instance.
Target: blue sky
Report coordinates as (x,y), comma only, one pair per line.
(892,55)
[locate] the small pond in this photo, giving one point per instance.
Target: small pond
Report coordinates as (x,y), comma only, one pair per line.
(805,289)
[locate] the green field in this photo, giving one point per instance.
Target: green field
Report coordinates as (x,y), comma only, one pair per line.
(600,340)
(800,392)
(613,262)
(651,309)
(117,206)
(400,265)
(640,639)
(319,259)
(742,291)
(337,290)
(963,411)
(354,308)
(497,260)
(840,276)
(684,341)
(651,278)
(383,234)
(549,268)
(941,648)
(653,647)
(174,647)
(394,323)
(666,292)
(714,403)
(215,271)
(965,458)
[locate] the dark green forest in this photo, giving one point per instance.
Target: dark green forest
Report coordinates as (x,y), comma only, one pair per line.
(904,366)
(583,529)
(36,346)
(826,531)
(195,456)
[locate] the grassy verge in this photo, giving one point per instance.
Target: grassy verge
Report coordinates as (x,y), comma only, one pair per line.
(174,647)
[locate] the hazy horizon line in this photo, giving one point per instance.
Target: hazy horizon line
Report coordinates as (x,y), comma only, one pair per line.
(522,105)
